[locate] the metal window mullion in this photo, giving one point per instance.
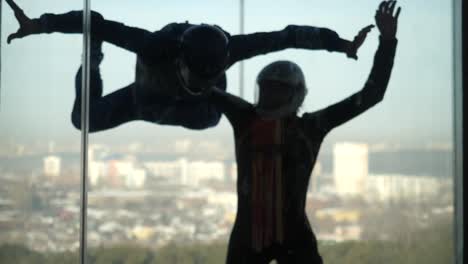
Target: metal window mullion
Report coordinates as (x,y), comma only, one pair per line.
(458,229)
(241,64)
(85,129)
(1,55)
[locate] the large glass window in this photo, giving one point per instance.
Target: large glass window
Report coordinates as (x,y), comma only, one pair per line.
(160,189)
(39,147)
(381,190)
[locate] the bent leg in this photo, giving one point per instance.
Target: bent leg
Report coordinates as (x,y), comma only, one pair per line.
(105,112)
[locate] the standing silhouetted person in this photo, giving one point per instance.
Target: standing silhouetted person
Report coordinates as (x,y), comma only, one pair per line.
(276,151)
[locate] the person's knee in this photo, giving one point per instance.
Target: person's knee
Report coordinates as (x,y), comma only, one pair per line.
(214,121)
(92,124)
(195,126)
(203,123)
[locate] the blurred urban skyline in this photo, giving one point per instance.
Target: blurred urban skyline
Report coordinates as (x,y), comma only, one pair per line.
(153,199)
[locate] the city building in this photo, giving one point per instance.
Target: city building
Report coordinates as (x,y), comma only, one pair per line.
(135,178)
(396,187)
(350,168)
(314,178)
(174,171)
(205,171)
(186,172)
(52,166)
(233,172)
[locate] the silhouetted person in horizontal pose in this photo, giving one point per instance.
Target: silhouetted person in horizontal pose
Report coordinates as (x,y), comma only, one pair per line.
(175,65)
(276,151)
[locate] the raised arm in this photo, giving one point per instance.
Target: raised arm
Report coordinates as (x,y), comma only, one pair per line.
(129,38)
(301,37)
(376,85)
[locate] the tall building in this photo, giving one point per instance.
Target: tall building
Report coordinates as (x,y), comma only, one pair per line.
(135,179)
(233,172)
(52,166)
(184,178)
(117,172)
(314,178)
(398,188)
(206,170)
(97,168)
(176,171)
(186,172)
(350,168)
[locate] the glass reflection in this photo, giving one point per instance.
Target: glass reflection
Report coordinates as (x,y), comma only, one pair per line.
(39,149)
(172,190)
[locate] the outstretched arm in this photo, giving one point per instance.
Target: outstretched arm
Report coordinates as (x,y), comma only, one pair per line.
(129,38)
(235,108)
(376,85)
(302,37)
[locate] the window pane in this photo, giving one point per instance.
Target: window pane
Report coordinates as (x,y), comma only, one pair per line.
(381,189)
(156,191)
(39,147)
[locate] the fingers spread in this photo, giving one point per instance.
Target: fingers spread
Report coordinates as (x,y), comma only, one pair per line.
(392,5)
(382,6)
(368,28)
(398,12)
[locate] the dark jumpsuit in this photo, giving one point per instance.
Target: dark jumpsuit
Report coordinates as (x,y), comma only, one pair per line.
(156,95)
(275,159)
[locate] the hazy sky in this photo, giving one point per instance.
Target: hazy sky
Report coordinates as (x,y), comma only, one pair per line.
(37,88)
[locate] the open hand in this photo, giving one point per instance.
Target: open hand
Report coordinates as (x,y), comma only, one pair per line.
(27,25)
(385,20)
(357,42)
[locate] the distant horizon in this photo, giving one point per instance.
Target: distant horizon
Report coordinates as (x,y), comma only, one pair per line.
(437,163)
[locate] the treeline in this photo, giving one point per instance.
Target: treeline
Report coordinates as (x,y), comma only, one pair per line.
(429,246)
(120,254)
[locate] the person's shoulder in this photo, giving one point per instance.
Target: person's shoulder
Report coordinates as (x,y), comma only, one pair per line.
(314,123)
(309,119)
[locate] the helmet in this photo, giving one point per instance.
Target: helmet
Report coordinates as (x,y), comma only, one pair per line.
(289,74)
(205,50)
(204,55)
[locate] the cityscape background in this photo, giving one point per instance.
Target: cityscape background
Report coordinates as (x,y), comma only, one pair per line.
(188,194)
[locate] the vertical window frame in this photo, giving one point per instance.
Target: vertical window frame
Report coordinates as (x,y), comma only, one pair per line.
(459,84)
(85,129)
